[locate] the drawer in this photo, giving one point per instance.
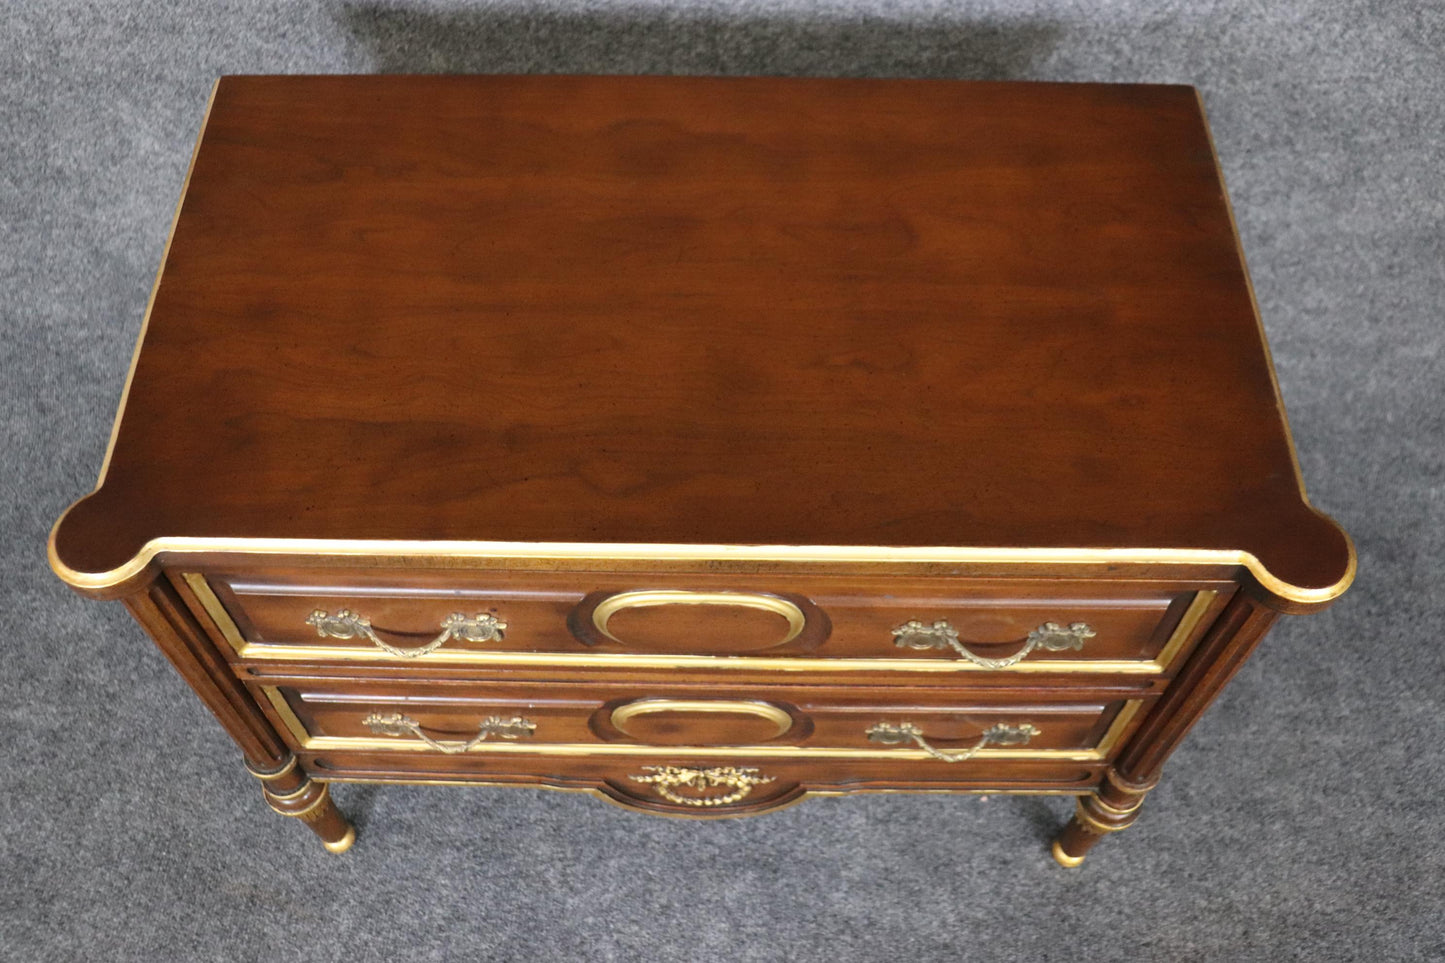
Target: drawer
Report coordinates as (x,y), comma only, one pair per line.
(691,753)
(710,623)
(740,784)
(936,728)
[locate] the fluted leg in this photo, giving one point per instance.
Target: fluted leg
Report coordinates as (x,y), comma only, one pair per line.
(291,793)
(168,620)
(1114,805)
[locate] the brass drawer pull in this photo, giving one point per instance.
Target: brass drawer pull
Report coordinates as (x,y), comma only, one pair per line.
(396,724)
(788,610)
(1000,734)
(666,779)
(769,714)
(1050,636)
(346,624)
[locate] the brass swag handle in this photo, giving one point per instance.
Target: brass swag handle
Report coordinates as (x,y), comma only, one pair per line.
(396,724)
(665,779)
(1051,636)
(346,624)
(999,734)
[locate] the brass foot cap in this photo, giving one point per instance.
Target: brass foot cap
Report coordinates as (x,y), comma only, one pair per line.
(1064,859)
(342,844)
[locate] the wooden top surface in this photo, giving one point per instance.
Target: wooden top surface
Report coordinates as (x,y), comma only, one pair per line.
(705,311)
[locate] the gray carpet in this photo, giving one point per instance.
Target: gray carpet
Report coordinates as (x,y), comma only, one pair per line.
(1300,821)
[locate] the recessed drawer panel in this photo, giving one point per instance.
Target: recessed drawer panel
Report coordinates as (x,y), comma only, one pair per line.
(816,622)
(786,722)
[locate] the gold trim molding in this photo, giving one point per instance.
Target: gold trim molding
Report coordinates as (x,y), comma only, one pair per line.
(723,555)
(804,796)
(311,743)
(246,649)
(720,558)
(285,770)
(1082,814)
(151,301)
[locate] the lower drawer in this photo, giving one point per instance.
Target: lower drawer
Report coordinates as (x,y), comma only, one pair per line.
(937,727)
(742,783)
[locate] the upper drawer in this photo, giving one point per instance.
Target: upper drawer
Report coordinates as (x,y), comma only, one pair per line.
(755,622)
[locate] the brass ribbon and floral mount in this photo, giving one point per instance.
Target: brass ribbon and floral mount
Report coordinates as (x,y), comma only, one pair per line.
(666,780)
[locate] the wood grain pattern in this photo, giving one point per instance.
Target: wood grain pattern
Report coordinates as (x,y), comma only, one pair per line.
(165,617)
(848,617)
(867,351)
(186,645)
(824,718)
(791,778)
(1219,655)
(705,311)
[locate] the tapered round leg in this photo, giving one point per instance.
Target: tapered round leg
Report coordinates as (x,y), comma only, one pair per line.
(1074,842)
(1114,806)
(289,792)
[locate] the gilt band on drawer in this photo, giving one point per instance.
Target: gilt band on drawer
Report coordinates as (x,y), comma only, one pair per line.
(575,651)
(774,488)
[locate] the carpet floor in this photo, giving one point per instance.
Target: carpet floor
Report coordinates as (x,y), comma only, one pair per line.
(1300,820)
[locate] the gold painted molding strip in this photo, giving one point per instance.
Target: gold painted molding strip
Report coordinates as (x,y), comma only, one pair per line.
(204,594)
(311,743)
(807,794)
(413,779)
(155,289)
(1272,583)
(311,807)
(246,649)
(288,716)
(1187,623)
(272,776)
(364,744)
(722,556)
(1117,727)
(749,553)
(563,660)
(1254,302)
(1082,814)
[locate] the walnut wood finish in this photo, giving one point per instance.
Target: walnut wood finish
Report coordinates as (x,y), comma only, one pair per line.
(705,312)
(792,779)
(845,617)
(194,656)
(863,351)
(284,784)
(816,717)
(1218,657)
(289,792)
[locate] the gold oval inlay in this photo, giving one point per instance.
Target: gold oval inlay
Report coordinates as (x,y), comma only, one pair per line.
(624,714)
(655,597)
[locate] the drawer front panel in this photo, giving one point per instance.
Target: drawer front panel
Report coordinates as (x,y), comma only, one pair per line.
(740,784)
(933,625)
(783,722)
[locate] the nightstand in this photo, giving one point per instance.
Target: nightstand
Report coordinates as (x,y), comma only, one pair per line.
(704,444)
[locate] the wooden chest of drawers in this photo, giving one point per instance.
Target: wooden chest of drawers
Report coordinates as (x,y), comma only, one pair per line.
(702,443)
